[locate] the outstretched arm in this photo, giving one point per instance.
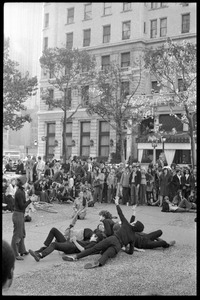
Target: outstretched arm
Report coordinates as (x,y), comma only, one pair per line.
(119,211)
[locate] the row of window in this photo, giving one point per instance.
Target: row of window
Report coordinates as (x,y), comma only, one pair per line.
(125,91)
(107,6)
(126,31)
(85,140)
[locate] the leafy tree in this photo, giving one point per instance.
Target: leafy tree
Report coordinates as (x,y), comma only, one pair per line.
(68,69)
(114,97)
(16,90)
(168,63)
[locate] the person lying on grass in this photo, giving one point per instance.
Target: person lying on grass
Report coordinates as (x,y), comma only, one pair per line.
(110,246)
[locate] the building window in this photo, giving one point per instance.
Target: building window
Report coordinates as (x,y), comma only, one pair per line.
(69,139)
(126,6)
(155,87)
(125,59)
(126,30)
(86,37)
(168,122)
(125,89)
(163,27)
(106,34)
(50,141)
(68,96)
(69,40)
(88,11)
(85,95)
(182,157)
(105,62)
(45,43)
(107,8)
(46,20)
(70,15)
(185,23)
(85,139)
(153,28)
(181,86)
(154,5)
(104,136)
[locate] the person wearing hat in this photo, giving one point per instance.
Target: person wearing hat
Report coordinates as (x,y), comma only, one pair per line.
(110,246)
(20,205)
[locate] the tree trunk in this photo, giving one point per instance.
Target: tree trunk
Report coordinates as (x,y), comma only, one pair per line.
(191,133)
(64,154)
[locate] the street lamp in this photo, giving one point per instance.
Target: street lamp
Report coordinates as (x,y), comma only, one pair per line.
(163,143)
(154,142)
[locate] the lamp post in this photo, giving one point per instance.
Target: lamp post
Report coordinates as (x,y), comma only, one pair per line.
(163,143)
(154,144)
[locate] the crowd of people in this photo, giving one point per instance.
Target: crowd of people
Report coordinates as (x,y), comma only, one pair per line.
(77,181)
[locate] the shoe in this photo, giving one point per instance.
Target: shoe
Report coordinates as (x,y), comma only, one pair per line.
(172,243)
(35,255)
(19,257)
(25,253)
(69,258)
(91,265)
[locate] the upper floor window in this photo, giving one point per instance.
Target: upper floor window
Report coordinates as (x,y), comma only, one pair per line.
(185,23)
(125,89)
(126,30)
(70,15)
(153,29)
(86,37)
(88,11)
(85,95)
(125,59)
(45,43)
(69,40)
(154,5)
(155,87)
(106,34)
(181,86)
(104,138)
(46,20)
(107,8)
(126,6)
(105,62)
(163,27)
(85,139)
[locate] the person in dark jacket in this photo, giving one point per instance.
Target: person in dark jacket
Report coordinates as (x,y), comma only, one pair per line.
(110,246)
(134,181)
(19,233)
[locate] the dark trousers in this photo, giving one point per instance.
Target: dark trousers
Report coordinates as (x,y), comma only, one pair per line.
(19,233)
(150,240)
(109,248)
(60,244)
(125,195)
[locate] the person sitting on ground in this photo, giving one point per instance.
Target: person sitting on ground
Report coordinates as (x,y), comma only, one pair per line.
(68,243)
(80,204)
(8,265)
(110,246)
(183,206)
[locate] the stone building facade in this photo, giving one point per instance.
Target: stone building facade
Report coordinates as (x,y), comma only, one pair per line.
(117,31)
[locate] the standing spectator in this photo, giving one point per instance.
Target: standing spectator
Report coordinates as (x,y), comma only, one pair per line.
(101,178)
(79,170)
(150,184)
(96,184)
(19,233)
(160,161)
(185,182)
(124,182)
(111,183)
(29,168)
(175,184)
(35,177)
(135,180)
(65,166)
(143,187)
(40,167)
(105,186)
(165,179)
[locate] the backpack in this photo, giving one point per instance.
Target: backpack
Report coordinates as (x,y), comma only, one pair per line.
(165,207)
